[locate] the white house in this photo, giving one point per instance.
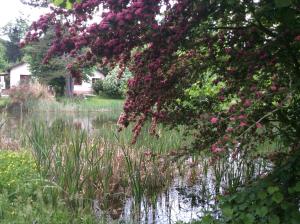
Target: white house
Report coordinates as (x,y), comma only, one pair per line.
(85,86)
(2,82)
(20,73)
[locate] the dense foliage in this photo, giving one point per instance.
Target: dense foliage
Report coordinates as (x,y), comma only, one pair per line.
(274,199)
(26,198)
(3,58)
(51,74)
(111,85)
(14,31)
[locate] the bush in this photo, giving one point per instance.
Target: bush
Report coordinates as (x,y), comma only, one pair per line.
(29,92)
(23,97)
(271,199)
(26,198)
(98,86)
(114,86)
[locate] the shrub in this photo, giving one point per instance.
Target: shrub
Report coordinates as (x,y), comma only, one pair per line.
(271,199)
(29,92)
(98,86)
(26,198)
(114,86)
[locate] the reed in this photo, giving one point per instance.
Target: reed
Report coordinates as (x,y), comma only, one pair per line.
(86,168)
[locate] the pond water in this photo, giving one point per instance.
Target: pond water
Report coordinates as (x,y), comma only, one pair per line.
(182,200)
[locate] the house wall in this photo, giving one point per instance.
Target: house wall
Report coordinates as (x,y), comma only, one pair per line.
(22,69)
(2,83)
(86,86)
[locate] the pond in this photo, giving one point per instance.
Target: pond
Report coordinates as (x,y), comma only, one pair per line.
(153,181)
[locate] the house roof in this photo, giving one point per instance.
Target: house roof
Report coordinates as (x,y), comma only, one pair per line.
(15,65)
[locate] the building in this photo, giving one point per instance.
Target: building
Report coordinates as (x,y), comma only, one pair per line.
(2,81)
(85,86)
(20,74)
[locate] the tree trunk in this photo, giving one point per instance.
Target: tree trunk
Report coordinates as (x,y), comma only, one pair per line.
(69,86)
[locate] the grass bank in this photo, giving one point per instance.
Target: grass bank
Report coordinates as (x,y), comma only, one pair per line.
(90,104)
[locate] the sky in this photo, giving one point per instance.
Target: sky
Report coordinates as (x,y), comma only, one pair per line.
(12,9)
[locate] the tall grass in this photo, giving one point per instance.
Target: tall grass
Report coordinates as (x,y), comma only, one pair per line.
(92,104)
(87,168)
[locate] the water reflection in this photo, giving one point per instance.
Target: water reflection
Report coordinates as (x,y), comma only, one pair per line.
(16,123)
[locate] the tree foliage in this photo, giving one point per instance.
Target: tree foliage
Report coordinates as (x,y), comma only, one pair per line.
(53,73)
(15,31)
(3,59)
(247,51)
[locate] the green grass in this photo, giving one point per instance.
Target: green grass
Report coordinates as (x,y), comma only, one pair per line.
(91,104)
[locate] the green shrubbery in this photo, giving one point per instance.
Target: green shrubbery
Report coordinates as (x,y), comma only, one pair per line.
(273,199)
(26,198)
(111,85)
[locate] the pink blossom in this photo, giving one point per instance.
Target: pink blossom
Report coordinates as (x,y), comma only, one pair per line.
(258,94)
(128,16)
(258,125)
(216,149)
(242,116)
(273,88)
(232,118)
(247,103)
(229,129)
(243,124)
(214,120)
(221,98)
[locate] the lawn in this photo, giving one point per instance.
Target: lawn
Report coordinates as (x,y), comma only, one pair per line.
(89,104)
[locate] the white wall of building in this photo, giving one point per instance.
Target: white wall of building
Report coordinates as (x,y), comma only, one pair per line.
(2,83)
(86,86)
(16,72)
(24,69)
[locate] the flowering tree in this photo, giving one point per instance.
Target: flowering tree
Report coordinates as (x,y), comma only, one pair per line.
(227,68)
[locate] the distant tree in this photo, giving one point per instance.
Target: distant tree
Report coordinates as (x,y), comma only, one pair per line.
(3,59)
(15,31)
(53,73)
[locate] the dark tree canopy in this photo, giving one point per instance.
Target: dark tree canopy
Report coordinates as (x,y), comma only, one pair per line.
(52,73)
(15,32)
(227,68)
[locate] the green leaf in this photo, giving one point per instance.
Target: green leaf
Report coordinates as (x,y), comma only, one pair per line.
(274,219)
(231,2)
(297,187)
(207,220)
(262,195)
(69,5)
(227,211)
(248,219)
(262,211)
(277,197)
(283,3)
(272,190)
(58,2)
